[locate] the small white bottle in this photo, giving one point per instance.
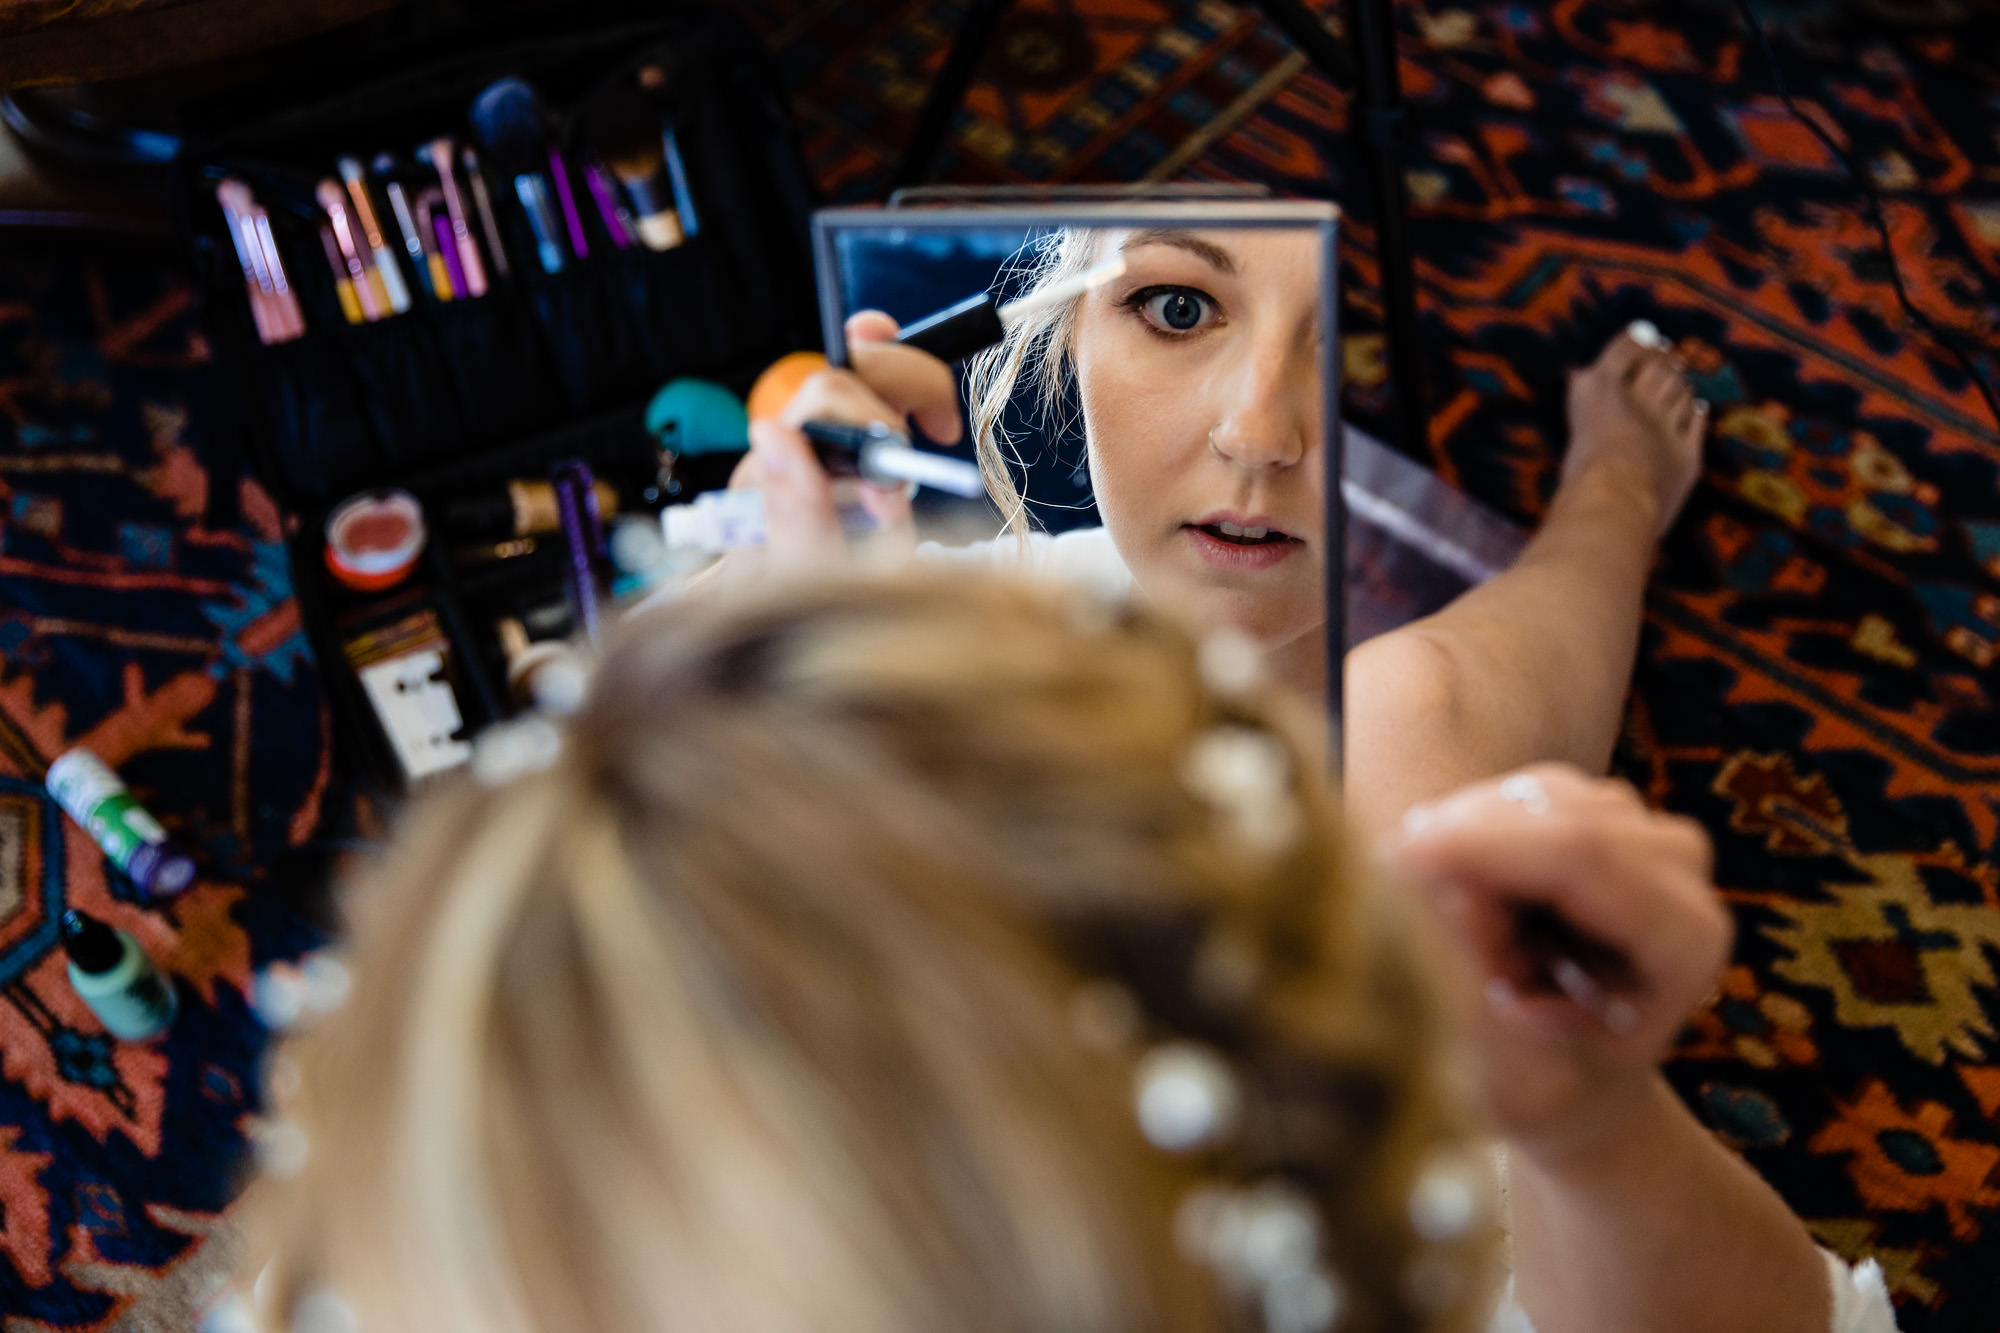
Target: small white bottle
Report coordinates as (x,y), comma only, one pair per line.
(130,996)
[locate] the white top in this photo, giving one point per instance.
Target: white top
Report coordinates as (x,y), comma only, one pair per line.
(1084,557)
(1860,1302)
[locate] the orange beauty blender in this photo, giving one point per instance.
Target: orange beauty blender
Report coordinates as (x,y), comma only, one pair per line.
(775,387)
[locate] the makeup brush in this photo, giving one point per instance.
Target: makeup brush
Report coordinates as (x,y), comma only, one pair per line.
(980,321)
(429,215)
(654,81)
(483,201)
(374,305)
(443,158)
(437,259)
(386,268)
(622,127)
(343,285)
(388,170)
(884,455)
(508,120)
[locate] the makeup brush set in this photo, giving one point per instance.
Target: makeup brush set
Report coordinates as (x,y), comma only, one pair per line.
(440,301)
(424,225)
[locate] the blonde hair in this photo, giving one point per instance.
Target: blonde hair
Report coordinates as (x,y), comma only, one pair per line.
(758,1008)
(1044,340)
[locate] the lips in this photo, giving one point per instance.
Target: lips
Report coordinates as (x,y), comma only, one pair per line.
(1240,541)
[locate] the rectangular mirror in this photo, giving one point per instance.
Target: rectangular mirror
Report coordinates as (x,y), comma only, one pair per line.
(1167,428)
(1172,427)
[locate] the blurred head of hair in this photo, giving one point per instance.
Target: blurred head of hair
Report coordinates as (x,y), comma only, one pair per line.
(806,987)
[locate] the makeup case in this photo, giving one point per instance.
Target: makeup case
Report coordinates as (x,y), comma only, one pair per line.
(453,399)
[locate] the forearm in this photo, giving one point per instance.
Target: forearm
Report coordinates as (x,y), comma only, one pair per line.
(1543,652)
(1658,1227)
(1531,666)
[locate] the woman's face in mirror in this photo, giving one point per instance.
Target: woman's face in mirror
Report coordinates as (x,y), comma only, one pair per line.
(1199,375)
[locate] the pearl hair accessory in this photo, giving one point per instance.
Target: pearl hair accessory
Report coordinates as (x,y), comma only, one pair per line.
(1244,774)
(1186,1097)
(509,750)
(1231,664)
(280,1146)
(1450,1197)
(1264,1243)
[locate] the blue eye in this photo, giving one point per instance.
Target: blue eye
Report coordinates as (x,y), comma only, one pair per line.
(1176,309)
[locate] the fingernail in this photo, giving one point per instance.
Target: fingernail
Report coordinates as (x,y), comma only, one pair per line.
(1501,995)
(1646,333)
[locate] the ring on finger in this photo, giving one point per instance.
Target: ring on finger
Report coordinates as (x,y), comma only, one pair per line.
(1526,790)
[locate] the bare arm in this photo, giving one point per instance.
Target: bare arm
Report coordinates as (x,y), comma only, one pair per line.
(1535,664)
(1628,1214)
(1658,1227)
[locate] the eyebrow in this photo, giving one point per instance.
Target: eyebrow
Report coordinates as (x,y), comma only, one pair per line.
(1216,257)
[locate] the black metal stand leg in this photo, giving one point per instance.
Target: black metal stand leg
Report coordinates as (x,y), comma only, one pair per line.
(1378,120)
(1303,29)
(947,94)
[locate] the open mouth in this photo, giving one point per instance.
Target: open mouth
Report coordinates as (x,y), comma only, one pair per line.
(1237,535)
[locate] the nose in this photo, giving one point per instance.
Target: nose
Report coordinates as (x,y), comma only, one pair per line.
(1270,408)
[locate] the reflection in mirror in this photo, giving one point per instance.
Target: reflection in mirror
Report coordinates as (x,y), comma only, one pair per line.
(1163,428)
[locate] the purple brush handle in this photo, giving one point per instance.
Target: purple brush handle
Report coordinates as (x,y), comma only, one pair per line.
(570,215)
(607,204)
(449,249)
(583,535)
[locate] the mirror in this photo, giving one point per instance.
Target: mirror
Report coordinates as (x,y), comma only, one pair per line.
(1170,427)
(1165,427)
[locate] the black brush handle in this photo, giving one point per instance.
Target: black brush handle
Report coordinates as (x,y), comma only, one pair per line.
(958,331)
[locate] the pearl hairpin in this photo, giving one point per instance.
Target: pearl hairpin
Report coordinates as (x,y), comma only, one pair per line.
(509,750)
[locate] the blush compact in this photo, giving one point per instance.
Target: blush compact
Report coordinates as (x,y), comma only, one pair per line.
(373,539)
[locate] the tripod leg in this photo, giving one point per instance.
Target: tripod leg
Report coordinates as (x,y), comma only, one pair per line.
(1379,121)
(947,94)
(1303,29)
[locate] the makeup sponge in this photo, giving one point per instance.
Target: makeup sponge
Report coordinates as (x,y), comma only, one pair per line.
(691,416)
(775,387)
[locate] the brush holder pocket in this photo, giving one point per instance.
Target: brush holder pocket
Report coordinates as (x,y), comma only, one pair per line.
(455,397)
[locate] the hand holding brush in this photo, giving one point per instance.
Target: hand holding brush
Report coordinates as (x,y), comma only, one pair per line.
(1584,928)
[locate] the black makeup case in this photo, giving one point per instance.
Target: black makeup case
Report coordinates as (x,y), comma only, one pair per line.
(453,399)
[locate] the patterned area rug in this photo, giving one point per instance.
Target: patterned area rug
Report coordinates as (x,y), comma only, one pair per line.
(1818,677)
(174,651)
